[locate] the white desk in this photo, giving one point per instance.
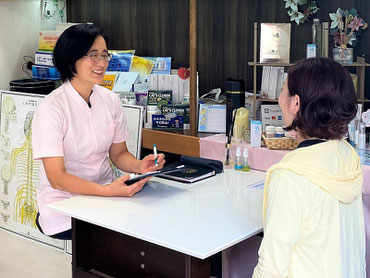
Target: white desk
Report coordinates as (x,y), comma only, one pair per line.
(198,219)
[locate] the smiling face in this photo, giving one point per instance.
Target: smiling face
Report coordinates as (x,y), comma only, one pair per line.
(289,105)
(89,72)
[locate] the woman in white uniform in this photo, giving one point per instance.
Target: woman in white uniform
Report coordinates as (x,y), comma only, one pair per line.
(78,127)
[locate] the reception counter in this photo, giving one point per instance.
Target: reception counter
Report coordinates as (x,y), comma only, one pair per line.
(168,229)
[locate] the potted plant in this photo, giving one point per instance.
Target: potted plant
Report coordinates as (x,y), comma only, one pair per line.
(346,28)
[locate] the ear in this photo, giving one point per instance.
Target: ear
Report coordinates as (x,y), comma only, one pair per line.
(295,104)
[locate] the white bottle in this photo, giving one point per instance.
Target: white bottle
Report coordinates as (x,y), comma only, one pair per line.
(245,161)
(238,159)
(361,136)
(256,133)
(151,110)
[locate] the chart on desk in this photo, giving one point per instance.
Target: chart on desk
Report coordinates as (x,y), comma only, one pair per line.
(19,172)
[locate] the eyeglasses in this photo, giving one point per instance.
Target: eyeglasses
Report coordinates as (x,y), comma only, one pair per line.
(95,57)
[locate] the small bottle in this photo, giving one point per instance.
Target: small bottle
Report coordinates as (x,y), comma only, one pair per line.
(316,36)
(151,110)
(362,137)
(245,161)
(270,131)
(279,132)
(238,159)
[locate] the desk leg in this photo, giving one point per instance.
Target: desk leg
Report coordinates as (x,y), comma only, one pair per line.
(99,250)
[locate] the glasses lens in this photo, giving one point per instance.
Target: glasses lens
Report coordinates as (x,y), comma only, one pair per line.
(95,57)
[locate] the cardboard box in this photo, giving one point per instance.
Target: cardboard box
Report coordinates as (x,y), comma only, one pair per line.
(159,98)
(161,121)
(48,39)
(44,58)
(271,115)
(43,72)
(178,109)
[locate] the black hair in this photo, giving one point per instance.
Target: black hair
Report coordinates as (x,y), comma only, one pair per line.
(72,45)
(328,100)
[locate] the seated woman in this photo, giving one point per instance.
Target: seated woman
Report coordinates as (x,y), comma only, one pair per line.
(313,217)
(77,127)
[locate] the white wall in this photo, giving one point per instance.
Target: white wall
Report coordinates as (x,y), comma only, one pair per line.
(20,22)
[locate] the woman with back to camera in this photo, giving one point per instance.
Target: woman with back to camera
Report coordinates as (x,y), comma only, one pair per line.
(77,127)
(313,217)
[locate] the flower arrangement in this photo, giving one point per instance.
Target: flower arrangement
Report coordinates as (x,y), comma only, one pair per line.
(300,11)
(346,27)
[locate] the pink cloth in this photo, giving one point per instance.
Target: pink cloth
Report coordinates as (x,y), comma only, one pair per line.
(64,126)
(262,158)
(259,158)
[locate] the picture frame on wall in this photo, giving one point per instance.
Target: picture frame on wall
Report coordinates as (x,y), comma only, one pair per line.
(275,43)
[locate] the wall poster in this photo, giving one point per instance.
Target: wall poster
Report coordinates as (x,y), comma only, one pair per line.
(19,172)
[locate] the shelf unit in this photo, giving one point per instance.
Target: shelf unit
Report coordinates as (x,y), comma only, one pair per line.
(360,66)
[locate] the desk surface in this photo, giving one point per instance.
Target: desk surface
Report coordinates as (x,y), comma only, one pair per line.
(199,219)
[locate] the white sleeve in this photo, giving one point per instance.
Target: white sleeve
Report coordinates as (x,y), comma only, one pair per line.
(47,132)
(282,229)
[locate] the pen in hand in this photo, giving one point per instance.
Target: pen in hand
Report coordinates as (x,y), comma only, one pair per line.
(155,154)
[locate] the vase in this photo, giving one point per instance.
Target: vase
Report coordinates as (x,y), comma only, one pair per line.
(343,55)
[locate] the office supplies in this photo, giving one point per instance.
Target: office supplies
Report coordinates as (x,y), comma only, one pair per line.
(155,154)
(169,169)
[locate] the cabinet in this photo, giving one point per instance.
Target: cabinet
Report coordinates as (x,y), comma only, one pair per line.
(360,66)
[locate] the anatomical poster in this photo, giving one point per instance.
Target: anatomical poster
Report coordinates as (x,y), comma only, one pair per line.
(19,172)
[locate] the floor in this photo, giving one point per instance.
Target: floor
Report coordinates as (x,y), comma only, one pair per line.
(21,257)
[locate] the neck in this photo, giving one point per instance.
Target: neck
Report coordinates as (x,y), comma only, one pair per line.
(300,138)
(84,89)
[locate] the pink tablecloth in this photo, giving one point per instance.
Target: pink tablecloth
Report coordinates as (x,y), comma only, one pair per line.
(262,158)
(259,158)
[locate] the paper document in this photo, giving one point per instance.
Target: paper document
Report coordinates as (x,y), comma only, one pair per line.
(258,185)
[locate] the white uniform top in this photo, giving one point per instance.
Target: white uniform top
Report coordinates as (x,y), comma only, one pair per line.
(65,126)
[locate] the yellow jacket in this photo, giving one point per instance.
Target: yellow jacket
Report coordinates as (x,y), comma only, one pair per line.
(313,217)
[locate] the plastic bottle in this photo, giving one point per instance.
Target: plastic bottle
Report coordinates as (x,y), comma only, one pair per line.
(151,110)
(238,159)
(245,161)
(362,137)
(316,36)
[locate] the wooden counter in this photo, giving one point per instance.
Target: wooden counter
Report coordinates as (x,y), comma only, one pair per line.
(177,142)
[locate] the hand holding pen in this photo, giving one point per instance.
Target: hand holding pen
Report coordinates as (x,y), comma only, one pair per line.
(152,162)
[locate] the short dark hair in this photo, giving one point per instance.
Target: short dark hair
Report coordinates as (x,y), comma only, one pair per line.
(327,98)
(73,44)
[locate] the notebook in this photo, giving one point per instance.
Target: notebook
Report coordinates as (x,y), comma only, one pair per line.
(190,174)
